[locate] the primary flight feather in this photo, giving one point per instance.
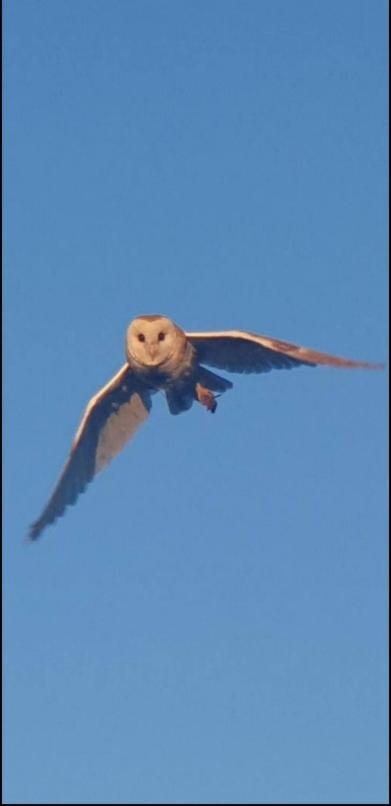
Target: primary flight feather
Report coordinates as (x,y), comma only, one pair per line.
(162,357)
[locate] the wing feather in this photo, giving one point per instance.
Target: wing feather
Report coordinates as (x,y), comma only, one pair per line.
(241,351)
(111,418)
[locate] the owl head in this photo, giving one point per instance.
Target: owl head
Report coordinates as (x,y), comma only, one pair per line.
(151,340)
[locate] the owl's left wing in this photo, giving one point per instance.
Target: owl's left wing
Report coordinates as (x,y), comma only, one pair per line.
(240,351)
(109,421)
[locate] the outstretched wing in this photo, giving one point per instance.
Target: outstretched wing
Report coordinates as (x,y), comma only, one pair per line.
(109,421)
(239,351)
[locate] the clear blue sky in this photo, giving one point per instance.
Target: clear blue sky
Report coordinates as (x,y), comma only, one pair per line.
(208,623)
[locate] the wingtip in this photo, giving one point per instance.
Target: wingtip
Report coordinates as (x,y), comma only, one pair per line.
(33,533)
(369,365)
(348,363)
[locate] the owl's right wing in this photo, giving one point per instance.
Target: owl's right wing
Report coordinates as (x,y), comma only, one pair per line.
(109,421)
(242,351)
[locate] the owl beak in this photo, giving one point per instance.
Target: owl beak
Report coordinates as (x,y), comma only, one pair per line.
(152,351)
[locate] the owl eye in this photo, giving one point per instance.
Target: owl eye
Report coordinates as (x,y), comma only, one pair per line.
(141,337)
(161,336)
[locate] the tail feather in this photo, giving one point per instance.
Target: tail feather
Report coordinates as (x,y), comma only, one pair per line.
(181,397)
(179,400)
(212,381)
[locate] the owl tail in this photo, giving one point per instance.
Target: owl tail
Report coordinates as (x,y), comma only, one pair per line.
(212,381)
(182,398)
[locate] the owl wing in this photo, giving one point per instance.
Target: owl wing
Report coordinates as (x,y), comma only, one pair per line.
(240,351)
(109,421)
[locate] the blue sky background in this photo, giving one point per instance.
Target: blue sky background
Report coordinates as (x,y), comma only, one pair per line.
(208,623)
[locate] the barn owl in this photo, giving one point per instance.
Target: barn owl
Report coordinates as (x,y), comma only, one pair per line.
(162,357)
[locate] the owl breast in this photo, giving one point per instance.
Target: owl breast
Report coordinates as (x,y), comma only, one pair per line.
(178,369)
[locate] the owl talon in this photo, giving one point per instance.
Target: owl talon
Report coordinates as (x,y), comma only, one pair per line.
(206,398)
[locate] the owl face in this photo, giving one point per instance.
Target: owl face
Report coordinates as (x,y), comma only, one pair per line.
(151,340)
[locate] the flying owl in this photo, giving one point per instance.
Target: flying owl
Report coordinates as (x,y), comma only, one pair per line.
(162,357)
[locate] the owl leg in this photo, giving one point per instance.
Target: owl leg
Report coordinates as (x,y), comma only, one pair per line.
(205,397)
